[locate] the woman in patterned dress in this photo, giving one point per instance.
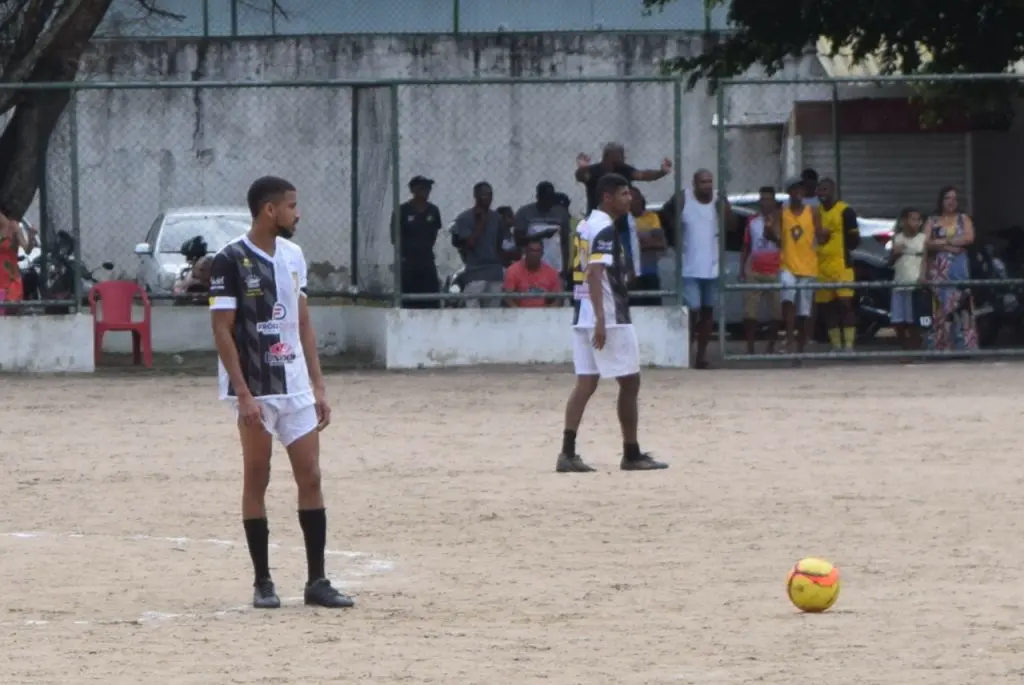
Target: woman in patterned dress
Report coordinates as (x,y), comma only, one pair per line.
(950,234)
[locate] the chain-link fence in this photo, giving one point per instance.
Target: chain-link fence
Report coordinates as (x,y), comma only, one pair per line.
(134,171)
(230,18)
(928,165)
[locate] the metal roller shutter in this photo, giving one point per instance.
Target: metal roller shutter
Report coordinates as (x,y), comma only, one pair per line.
(884,173)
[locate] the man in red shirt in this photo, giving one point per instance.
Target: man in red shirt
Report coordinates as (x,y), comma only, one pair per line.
(531,275)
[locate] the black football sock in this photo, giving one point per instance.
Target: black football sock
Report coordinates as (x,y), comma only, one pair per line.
(631,450)
(314,532)
(569,443)
(257,537)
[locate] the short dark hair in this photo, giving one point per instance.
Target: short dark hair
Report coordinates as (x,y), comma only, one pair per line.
(826,179)
(481,186)
(809,174)
(766,189)
(266,189)
(609,183)
(505,210)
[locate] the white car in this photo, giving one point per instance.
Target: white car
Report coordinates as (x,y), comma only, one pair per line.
(160,258)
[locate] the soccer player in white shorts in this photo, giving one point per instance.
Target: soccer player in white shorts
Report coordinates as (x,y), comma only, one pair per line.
(604,342)
(270,373)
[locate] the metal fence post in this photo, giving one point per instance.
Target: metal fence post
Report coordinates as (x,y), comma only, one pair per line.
(234,18)
(722,227)
(837,140)
(75,203)
(396,192)
(456,17)
(354,203)
(206,18)
(677,187)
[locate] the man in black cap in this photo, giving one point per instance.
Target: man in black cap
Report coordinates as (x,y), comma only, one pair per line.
(419,222)
(547,221)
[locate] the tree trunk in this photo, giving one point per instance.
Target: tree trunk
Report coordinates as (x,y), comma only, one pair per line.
(23,142)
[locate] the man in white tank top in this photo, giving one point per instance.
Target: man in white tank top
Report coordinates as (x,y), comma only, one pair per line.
(701,215)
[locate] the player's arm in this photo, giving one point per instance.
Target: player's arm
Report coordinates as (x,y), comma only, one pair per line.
(307,336)
(851,229)
(820,232)
(225,292)
(652,174)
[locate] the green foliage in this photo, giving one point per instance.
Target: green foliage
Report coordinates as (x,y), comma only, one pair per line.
(905,36)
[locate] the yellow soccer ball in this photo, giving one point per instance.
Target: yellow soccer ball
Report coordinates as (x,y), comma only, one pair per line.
(813,585)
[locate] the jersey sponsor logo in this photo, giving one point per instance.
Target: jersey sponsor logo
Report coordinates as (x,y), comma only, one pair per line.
(217,283)
(606,246)
(280,354)
(277,324)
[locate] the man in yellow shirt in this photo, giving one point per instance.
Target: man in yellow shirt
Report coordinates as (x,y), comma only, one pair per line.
(840,222)
(800,231)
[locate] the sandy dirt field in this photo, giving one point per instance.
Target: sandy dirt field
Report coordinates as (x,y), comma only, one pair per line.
(123,559)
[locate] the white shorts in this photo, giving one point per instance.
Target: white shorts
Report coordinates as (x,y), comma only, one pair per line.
(619,357)
(803,299)
(286,426)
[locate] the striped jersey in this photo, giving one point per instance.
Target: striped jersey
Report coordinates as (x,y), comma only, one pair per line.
(264,292)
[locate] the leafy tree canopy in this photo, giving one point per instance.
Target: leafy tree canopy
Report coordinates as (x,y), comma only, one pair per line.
(904,36)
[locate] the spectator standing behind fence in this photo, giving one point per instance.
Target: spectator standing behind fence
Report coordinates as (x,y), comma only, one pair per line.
(809,181)
(834,266)
(510,250)
(800,232)
(909,247)
(759,263)
(419,222)
(478,237)
(12,238)
(651,242)
(613,161)
(701,212)
(547,221)
(950,233)
(532,274)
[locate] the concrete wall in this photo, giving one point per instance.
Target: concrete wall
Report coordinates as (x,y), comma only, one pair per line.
(46,344)
(141,151)
(410,339)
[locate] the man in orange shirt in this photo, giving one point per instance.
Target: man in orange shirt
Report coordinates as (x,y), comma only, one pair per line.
(531,275)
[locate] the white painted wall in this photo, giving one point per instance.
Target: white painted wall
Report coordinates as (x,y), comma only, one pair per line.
(410,339)
(46,344)
(142,151)
(468,337)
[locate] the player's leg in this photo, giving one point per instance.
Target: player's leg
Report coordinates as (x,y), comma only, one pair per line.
(847,313)
(804,314)
(298,431)
(620,359)
(257,446)
(788,295)
(825,304)
(587,379)
(708,299)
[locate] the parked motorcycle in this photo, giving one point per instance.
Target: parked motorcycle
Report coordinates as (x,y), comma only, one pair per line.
(998,308)
(871,262)
(58,281)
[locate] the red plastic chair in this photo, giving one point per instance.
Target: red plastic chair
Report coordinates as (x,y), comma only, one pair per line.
(117,298)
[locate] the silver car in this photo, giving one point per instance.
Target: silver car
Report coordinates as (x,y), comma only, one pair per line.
(160,258)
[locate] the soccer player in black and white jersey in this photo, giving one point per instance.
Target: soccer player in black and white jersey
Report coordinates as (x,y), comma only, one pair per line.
(604,342)
(270,373)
